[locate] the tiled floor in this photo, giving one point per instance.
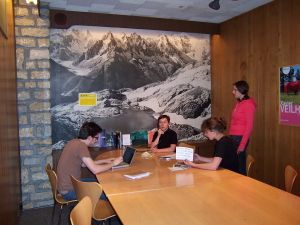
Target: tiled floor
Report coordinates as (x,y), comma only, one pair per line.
(42,216)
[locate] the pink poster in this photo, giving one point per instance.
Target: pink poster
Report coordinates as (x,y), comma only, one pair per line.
(290,95)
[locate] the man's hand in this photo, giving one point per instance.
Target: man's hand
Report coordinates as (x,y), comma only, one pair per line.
(154,149)
(160,132)
(117,160)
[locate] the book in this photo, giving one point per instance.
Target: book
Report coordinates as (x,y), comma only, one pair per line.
(137,175)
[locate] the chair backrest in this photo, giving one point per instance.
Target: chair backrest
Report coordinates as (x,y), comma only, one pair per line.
(290,175)
(182,144)
(53,180)
(249,164)
(81,214)
(91,189)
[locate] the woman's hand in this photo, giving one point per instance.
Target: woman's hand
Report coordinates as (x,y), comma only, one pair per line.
(189,163)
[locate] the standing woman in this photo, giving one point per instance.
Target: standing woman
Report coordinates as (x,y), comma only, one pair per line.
(242,118)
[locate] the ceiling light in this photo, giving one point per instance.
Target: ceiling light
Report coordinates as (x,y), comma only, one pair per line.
(215,4)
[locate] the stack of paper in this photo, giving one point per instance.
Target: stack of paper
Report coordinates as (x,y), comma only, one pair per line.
(137,175)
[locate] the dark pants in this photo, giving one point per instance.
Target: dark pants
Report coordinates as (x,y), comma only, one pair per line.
(71,195)
(242,156)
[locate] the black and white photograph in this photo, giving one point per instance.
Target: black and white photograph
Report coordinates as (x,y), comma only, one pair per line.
(137,76)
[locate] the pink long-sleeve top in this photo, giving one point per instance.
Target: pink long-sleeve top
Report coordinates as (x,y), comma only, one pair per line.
(242,118)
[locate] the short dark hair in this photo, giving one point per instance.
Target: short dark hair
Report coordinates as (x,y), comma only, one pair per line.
(243,88)
(163,117)
(214,124)
(89,129)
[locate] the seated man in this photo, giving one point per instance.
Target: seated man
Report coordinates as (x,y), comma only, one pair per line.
(164,139)
(75,155)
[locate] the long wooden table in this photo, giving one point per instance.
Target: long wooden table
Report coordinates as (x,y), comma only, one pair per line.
(194,196)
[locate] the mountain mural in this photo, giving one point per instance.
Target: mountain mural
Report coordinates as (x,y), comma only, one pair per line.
(130,71)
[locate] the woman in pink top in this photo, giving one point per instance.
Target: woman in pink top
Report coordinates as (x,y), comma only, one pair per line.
(242,118)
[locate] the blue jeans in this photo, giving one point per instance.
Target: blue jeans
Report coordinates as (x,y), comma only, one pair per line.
(242,156)
(71,195)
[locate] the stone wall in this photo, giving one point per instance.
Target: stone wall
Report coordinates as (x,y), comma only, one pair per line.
(33,77)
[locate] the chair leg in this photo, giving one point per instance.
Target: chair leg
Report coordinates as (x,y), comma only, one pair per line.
(53,213)
(59,218)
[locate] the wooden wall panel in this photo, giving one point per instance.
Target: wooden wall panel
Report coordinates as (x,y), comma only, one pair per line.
(253,47)
(9,151)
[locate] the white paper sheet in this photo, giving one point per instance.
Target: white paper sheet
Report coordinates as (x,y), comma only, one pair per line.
(184,153)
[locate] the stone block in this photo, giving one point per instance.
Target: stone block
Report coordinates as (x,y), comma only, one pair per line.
(20,85)
(39,106)
(43,131)
(26,152)
(43,74)
(27,205)
(24,21)
(31,161)
(44,185)
(43,64)
(35,32)
(26,42)
(35,169)
(24,176)
(49,159)
(41,141)
(23,119)
(42,22)
(35,11)
(44,84)
(40,118)
(20,57)
(45,150)
(17,31)
(39,176)
(28,188)
(30,84)
(26,132)
(30,65)
(23,143)
(39,54)
(41,196)
(23,95)
(43,95)
(22,108)
(21,11)
(43,203)
(22,75)
(43,42)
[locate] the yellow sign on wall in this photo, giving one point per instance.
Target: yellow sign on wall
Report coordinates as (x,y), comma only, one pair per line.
(87,99)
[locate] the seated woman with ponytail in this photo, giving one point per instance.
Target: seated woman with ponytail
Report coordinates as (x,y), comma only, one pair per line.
(225,155)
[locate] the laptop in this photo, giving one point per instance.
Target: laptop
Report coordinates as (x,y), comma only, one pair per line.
(127,158)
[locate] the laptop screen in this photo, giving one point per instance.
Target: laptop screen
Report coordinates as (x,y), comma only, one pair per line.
(128,155)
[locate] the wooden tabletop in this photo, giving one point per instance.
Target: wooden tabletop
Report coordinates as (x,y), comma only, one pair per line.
(194,196)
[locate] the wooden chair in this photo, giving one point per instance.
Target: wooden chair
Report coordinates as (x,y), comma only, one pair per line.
(290,175)
(58,199)
(102,210)
(82,212)
(249,164)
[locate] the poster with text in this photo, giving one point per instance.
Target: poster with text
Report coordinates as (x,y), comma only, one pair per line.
(290,95)
(137,75)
